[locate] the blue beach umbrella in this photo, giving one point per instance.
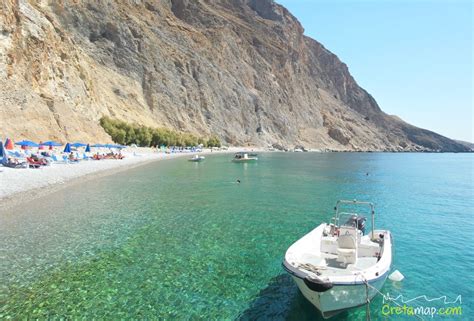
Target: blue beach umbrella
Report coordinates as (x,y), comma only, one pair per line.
(67,149)
(3,154)
(97,145)
(78,145)
(27,143)
(88,148)
(51,144)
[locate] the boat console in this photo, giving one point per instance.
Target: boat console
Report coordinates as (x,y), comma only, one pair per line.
(345,237)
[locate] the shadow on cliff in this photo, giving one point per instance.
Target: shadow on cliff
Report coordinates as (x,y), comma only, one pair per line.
(281,300)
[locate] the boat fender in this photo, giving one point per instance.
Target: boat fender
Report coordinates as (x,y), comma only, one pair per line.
(317,284)
(396,276)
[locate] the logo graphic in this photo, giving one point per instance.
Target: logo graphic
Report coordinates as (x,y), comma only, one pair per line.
(441,306)
(388,298)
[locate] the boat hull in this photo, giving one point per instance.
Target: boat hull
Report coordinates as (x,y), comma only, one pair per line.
(334,294)
(341,296)
(247,160)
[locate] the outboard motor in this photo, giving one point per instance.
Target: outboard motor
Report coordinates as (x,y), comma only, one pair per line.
(358,221)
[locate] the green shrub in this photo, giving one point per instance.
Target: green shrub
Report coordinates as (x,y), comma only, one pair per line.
(213,142)
(125,134)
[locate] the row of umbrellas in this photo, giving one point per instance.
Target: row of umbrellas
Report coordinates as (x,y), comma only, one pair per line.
(67,149)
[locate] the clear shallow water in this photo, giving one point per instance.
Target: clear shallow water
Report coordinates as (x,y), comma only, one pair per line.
(179,240)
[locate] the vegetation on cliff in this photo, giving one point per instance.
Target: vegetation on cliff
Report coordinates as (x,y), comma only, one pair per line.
(127,134)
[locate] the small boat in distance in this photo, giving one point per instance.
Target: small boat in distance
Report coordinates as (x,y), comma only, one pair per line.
(197,158)
(243,158)
(337,266)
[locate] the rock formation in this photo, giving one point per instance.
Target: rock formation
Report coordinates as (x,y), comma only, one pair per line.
(242,69)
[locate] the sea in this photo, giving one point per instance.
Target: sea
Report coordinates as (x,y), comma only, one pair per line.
(177,240)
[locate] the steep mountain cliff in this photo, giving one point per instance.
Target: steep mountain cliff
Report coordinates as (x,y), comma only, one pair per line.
(241,69)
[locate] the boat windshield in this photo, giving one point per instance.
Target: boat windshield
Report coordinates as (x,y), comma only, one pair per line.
(353,220)
(347,215)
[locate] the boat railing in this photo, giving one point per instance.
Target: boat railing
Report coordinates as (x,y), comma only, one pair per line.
(339,212)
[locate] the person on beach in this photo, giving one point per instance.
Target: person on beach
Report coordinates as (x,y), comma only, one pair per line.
(72,158)
(13,161)
(42,161)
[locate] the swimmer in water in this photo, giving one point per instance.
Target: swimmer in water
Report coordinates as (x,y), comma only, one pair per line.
(238,181)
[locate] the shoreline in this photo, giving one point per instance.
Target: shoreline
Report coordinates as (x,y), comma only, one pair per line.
(21,185)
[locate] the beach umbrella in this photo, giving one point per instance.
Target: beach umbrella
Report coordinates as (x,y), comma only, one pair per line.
(97,145)
(9,144)
(78,145)
(51,144)
(3,154)
(113,146)
(88,148)
(27,143)
(67,149)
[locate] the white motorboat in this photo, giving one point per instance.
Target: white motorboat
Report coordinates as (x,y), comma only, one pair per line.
(244,158)
(337,266)
(197,158)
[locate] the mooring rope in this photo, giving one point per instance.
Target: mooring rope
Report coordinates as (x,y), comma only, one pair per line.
(311,268)
(367,285)
(367,300)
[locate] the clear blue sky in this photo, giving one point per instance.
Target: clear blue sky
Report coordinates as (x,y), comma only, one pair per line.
(414,57)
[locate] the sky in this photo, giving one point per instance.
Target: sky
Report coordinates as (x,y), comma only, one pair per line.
(414,57)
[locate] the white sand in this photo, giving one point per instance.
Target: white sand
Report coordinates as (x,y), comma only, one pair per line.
(16,182)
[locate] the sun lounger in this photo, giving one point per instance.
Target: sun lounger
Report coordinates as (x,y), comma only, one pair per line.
(16,154)
(70,161)
(33,164)
(14,164)
(57,160)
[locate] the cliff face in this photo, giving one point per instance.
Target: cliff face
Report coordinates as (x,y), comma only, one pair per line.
(241,69)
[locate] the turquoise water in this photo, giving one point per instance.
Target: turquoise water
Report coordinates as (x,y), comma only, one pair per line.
(181,240)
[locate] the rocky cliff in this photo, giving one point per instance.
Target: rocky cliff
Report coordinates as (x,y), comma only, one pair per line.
(241,69)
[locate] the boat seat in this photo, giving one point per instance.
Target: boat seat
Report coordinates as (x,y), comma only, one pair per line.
(346,249)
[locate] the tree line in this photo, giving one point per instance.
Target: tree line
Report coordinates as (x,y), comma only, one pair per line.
(126,134)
